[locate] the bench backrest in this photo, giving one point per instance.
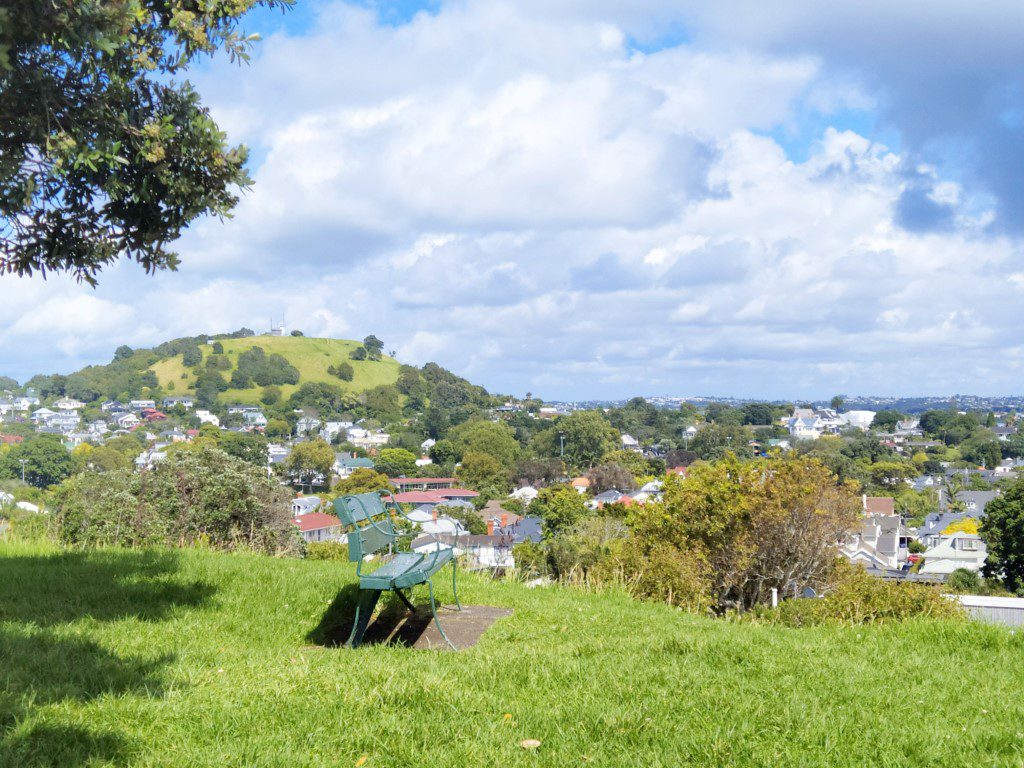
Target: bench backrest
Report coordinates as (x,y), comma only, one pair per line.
(371,524)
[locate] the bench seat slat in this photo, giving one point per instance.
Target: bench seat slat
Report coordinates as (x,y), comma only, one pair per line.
(406,569)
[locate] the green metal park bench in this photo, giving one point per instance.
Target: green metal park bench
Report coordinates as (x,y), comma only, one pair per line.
(371,530)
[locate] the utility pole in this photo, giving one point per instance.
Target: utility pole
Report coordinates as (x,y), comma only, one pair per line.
(561,445)
(23,462)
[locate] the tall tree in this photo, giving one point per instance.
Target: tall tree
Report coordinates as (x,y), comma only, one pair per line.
(1002,528)
(104,153)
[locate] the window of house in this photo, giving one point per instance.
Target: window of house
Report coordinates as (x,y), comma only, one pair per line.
(970,545)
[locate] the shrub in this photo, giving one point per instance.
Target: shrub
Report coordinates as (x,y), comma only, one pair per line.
(193,496)
(963,580)
(326,550)
(860,598)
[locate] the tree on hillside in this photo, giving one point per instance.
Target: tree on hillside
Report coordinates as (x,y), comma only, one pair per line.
(250,447)
(47,462)
(493,438)
(363,480)
(106,153)
(123,352)
(586,435)
(191,357)
(482,472)
(396,462)
(837,402)
(610,476)
(1002,528)
(886,420)
(374,347)
(310,463)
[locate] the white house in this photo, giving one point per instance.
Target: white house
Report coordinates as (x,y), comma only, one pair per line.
(630,443)
(205,417)
(42,415)
(858,419)
(304,505)
(526,494)
(128,420)
(68,404)
(138,405)
(482,551)
(959,550)
(317,526)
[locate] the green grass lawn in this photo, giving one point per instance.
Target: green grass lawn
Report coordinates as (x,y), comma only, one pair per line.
(312,357)
(191,658)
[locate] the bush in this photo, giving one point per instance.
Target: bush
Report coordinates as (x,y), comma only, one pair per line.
(326,550)
(860,598)
(963,581)
(201,495)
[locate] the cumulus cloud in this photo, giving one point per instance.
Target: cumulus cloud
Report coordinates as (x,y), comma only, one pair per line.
(587,199)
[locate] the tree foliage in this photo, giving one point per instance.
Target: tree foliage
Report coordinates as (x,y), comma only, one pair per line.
(1002,528)
(106,154)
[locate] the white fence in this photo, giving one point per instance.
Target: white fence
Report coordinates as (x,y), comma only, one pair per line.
(998,610)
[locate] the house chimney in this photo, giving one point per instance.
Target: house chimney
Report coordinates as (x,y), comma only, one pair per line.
(433,513)
(490,527)
(504,519)
(864,501)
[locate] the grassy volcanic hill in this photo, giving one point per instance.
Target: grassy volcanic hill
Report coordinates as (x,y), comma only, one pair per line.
(193,658)
(311,357)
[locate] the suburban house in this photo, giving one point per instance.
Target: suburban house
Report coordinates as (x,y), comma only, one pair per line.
(931,531)
(127,421)
(345,464)
(525,494)
(332,429)
(858,419)
(185,401)
(68,404)
(434,497)
(881,541)
(423,483)
(878,505)
(974,502)
(362,438)
(138,405)
(630,443)
(581,484)
(318,526)
(304,505)
(205,417)
(481,551)
(42,415)
(429,520)
(959,550)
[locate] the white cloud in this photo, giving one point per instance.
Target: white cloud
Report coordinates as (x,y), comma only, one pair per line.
(511,190)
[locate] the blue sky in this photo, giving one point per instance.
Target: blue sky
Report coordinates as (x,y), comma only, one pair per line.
(592,198)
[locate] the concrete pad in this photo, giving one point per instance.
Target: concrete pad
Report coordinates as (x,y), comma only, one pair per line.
(396,625)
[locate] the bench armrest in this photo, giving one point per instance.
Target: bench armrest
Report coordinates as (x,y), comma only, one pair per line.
(438,544)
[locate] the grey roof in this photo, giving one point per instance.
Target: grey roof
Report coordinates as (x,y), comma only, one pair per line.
(979,499)
(608,497)
(526,528)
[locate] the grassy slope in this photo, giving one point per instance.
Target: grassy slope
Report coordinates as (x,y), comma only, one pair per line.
(199,659)
(311,356)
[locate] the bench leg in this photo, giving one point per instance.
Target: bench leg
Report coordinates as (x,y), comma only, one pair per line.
(454,590)
(433,608)
(364,612)
(405,600)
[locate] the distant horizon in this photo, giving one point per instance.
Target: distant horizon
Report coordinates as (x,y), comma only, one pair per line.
(586,399)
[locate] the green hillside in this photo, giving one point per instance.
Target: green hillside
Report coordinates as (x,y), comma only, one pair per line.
(312,357)
(192,658)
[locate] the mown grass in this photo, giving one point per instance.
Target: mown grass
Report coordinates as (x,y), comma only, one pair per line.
(192,658)
(312,357)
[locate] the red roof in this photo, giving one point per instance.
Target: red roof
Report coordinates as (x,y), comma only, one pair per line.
(421,480)
(314,521)
(879,505)
(11,439)
(437,496)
